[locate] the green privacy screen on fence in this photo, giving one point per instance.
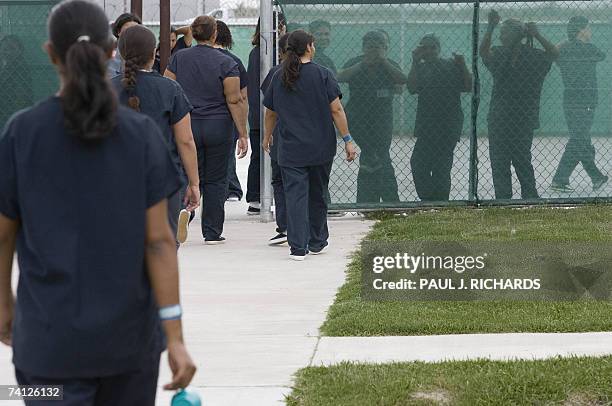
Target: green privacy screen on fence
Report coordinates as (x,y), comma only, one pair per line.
(416,136)
(26,75)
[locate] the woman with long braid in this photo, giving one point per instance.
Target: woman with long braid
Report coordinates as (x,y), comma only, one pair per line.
(305,98)
(162,99)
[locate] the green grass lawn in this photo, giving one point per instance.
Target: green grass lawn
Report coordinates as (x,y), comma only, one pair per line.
(567,381)
(351,316)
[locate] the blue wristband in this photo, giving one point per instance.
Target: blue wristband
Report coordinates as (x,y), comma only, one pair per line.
(173,312)
(347,138)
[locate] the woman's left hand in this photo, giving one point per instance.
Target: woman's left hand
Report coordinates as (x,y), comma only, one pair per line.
(351,152)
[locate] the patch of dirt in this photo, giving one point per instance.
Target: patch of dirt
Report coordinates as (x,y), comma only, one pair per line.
(437,396)
(583,399)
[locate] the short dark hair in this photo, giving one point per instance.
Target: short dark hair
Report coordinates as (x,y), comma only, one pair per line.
(575,25)
(122,20)
(224,35)
(203,28)
(315,25)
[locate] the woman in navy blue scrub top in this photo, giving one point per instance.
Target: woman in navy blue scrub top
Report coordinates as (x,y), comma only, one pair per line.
(254,74)
(280,205)
(224,43)
(83,198)
(162,99)
(211,81)
(305,99)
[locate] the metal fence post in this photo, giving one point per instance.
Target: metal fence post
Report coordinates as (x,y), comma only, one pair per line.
(473,176)
(268,29)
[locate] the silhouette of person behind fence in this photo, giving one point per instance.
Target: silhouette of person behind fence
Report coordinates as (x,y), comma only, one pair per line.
(439,120)
(321,30)
(578,59)
(373,79)
(518,71)
(15,78)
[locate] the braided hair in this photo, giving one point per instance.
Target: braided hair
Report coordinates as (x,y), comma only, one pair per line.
(137,47)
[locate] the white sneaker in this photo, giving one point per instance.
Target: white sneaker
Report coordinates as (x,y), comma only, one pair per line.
(183,226)
(297,257)
(322,251)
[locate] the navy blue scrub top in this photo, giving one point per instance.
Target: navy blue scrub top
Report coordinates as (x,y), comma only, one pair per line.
(254,72)
(307,135)
(201,70)
(275,134)
(244,77)
(164,101)
(85,307)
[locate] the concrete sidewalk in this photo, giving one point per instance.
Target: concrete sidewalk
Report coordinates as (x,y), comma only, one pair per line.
(525,346)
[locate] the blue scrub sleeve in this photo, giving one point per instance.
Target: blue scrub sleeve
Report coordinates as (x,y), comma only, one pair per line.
(180,105)
(163,179)
(332,87)
(9,206)
(268,100)
(173,65)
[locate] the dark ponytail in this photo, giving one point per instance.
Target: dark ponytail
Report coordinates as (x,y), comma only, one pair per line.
(297,45)
(137,47)
(80,38)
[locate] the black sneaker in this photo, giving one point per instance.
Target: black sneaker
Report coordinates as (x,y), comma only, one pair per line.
(216,241)
(253,211)
(280,238)
(599,183)
(319,252)
(561,187)
(336,213)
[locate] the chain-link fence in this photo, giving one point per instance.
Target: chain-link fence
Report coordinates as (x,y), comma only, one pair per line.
(441,118)
(26,75)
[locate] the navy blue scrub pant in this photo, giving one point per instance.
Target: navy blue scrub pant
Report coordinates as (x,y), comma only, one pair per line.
(280,204)
(234,188)
(135,388)
(253,179)
(579,148)
(306,207)
(213,138)
(510,145)
(431,163)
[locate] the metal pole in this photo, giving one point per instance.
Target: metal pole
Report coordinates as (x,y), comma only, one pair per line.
(268,32)
(164,34)
(473,180)
(136,7)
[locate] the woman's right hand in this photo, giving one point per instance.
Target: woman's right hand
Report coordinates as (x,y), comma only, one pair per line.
(242,147)
(182,367)
(351,151)
(192,197)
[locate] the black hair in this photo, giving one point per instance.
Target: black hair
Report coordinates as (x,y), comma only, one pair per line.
(122,20)
(80,38)
(136,46)
(297,44)
(374,36)
(224,35)
(203,28)
(315,25)
(255,41)
(282,43)
(575,25)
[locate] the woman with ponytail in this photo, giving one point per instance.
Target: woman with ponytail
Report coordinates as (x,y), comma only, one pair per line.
(305,100)
(518,70)
(83,199)
(143,89)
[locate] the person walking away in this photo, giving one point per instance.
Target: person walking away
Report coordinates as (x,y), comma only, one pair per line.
(438,83)
(254,72)
(143,89)
(373,79)
(578,59)
(306,102)
(518,71)
(212,84)
(96,287)
(224,43)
